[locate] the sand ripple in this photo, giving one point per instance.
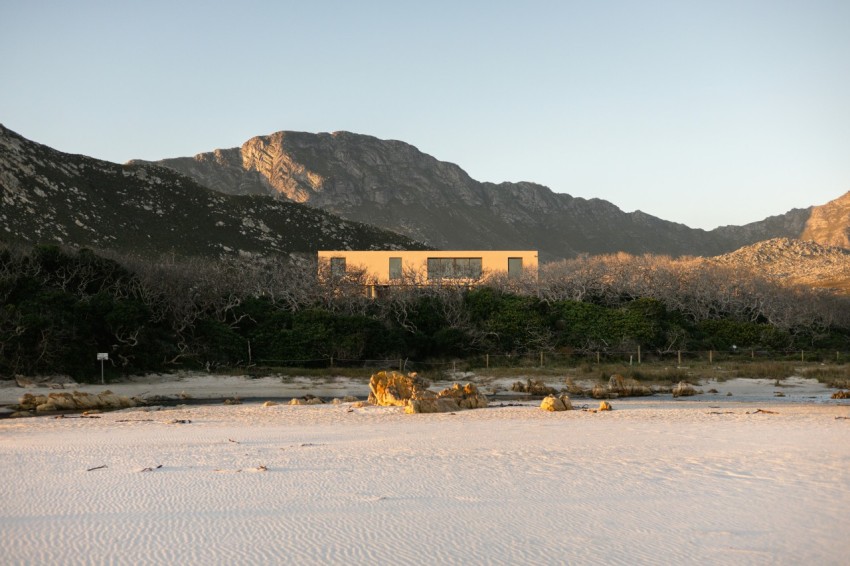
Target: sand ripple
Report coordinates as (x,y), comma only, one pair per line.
(326,485)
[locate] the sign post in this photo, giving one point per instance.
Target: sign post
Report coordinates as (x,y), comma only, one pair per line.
(102,356)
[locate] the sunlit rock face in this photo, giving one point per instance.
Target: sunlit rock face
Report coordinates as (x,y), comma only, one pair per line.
(392,183)
(50,197)
(393,389)
(830,224)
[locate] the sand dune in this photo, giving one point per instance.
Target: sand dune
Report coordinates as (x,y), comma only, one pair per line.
(650,482)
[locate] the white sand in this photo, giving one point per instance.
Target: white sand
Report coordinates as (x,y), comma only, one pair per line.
(652,482)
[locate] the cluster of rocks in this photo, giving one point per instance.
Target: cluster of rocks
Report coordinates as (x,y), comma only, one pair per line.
(559,403)
(684,389)
(73,401)
(619,386)
(313,400)
(393,389)
(534,387)
(563,403)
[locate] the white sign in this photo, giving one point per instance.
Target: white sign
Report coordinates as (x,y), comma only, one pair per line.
(102,356)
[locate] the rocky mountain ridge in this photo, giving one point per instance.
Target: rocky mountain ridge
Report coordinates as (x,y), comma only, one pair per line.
(391,183)
(794,262)
(52,197)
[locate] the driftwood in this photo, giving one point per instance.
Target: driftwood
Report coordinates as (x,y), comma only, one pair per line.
(97,468)
(150,469)
(763,411)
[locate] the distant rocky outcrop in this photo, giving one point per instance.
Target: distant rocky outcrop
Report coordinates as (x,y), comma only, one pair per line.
(796,262)
(57,198)
(391,183)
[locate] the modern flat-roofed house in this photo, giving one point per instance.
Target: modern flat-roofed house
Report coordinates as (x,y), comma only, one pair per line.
(399,267)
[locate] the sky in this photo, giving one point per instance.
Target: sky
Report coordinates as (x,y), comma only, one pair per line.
(706,113)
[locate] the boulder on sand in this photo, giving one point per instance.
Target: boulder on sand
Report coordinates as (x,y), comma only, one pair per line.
(455,398)
(393,389)
(553,403)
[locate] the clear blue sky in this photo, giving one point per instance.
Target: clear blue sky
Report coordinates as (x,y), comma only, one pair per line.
(707,113)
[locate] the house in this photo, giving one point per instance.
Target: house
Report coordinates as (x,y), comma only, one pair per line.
(395,267)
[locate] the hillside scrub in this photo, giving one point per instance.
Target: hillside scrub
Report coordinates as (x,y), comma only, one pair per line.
(59,307)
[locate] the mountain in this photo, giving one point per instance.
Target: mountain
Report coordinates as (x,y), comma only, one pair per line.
(794,262)
(391,183)
(53,197)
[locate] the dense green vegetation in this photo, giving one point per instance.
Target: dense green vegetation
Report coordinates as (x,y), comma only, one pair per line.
(59,308)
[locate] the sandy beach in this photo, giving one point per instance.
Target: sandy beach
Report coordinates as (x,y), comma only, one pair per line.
(714,480)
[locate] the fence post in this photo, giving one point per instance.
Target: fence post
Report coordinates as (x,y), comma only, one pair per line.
(541,359)
(597,357)
(711,356)
(400,368)
(679,352)
(638,354)
(487,361)
(802,355)
(332,361)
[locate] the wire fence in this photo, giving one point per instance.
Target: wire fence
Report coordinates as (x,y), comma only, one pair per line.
(570,359)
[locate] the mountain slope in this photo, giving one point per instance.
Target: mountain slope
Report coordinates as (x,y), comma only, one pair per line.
(52,197)
(794,262)
(392,183)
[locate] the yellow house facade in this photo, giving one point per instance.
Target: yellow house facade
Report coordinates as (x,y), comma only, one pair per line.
(397,267)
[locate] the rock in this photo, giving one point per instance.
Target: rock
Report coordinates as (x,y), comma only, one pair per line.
(601,392)
(841,395)
(454,398)
(615,382)
(74,401)
(393,389)
(684,389)
(552,403)
(619,386)
(269,404)
(605,406)
(533,387)
(430,403)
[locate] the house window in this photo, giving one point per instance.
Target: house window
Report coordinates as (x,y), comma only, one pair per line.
(395,268)
(454,268)
(337,266)
(514,266)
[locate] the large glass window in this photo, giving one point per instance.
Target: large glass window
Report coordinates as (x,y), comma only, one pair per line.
(454,268)
(514,266)
(395,268)
(337,266)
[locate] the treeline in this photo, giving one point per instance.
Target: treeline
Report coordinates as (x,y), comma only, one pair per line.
(58,308)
